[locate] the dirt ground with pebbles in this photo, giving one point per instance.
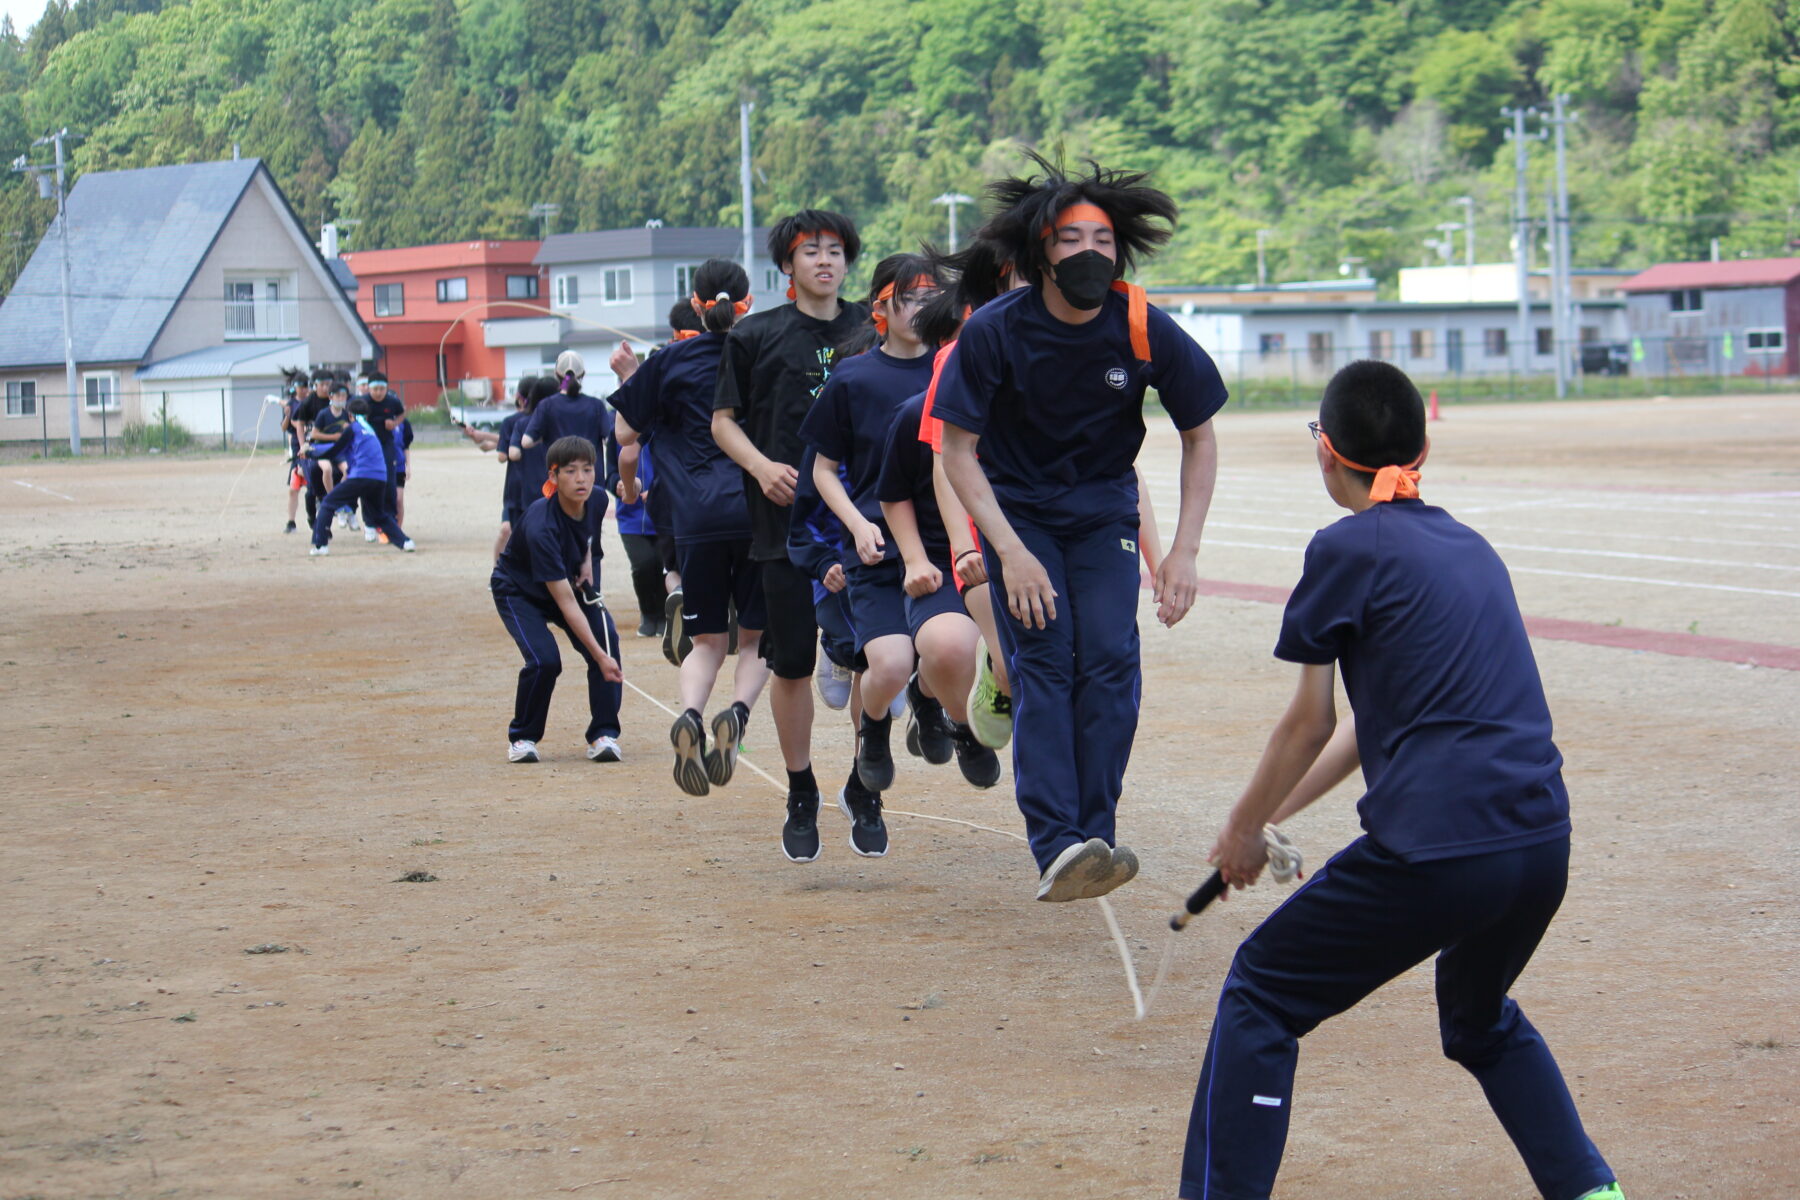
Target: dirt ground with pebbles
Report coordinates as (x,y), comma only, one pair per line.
(214,745)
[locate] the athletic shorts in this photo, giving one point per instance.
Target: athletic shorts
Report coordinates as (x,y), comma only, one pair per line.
(947,599)
(790,640)
(877,601)
(837,637)
(715,577)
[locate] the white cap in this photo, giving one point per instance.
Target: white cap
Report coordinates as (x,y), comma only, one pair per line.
(570,362)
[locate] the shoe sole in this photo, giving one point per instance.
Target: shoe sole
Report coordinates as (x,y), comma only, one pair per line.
(1090,863)
(690,752)
(962,764)
(873,776)
(721,759)
(844,807)
(673,633)
(1123,869)
(529,758)
(606,756)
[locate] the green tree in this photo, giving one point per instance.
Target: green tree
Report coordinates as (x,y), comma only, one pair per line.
(1469,76)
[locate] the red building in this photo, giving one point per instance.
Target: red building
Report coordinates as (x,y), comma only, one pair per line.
(418,299)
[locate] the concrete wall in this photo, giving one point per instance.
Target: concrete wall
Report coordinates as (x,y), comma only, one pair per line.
(257,239)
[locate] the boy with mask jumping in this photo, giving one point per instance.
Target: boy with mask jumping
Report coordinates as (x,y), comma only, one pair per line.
(1049,380)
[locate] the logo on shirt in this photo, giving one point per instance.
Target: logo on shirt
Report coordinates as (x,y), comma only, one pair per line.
(1127,545)
(1117,378)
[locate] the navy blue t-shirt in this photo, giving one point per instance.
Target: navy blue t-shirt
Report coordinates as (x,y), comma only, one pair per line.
(559,415)
(332,422)
(671,397)
(906,475)
(1059,408)
(510,496)
(548,545)
(1418,612)
(850,420)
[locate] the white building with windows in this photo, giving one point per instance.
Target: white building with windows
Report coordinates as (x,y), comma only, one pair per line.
(621,282)
(191,286)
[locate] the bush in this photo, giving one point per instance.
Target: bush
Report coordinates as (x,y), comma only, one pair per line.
(137,437)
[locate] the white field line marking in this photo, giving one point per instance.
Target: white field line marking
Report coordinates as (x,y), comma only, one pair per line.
(1576,550)
(36,487)
(1112,922)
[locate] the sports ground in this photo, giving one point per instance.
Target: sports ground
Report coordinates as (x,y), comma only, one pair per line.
(213,744)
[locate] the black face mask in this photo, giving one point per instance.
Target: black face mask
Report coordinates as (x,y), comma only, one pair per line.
(1084,279)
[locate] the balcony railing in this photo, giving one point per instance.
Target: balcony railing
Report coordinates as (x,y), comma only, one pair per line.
(261,320)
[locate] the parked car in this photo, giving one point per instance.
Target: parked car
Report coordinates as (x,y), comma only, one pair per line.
(1606,358)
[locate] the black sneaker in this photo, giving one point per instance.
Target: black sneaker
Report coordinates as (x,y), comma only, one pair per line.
(800,835)
(675,640)
(290,527)
(927,728)
(727,736)
(650,626)
(874,762)
(868,832)
(980,765)
(689,739)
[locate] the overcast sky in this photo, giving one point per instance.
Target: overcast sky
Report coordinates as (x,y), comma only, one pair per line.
(24,13)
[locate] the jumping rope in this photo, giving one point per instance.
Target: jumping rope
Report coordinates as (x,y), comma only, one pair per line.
(255,437)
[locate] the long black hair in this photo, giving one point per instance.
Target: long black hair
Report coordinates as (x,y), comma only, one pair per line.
(720,285)
(1142,217)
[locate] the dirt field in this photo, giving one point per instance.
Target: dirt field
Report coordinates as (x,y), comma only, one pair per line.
(213,743)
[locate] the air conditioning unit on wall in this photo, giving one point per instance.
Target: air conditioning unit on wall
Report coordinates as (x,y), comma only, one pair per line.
(475,389)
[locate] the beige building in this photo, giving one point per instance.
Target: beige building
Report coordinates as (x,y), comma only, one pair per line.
(192,286)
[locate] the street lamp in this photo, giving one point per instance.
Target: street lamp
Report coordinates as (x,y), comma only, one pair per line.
(1468,207)
(950,200)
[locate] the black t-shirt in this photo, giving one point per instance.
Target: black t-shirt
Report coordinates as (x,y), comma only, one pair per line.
(906,475)
(512,496)
(774,366)
(388,408)
(311,405)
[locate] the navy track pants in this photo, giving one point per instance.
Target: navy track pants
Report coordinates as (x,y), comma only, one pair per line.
(529,624)
(346,495)
(1362,919)
(1076,684)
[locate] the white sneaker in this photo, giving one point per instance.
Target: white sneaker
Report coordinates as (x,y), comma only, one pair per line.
(343,518)
(318,551)
(369,535)
(409,545)
(604,750)
(833,683)
(355,521)
(522,752)
(1081,867)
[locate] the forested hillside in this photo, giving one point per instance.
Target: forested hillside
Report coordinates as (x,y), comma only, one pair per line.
(1344,127)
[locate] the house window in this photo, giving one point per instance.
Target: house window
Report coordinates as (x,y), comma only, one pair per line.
(1422,343)
(260,306)
(567,290)
(521,287)
(102,391)
(615,285)
(1546,342)
(453,291)
(1381,343)
(1493,342)
(1686,301)
(1271,343)
(1762,341)
(772,280)
(1318,349)
(684,279)
(21,397)
(240,308)
(390,300)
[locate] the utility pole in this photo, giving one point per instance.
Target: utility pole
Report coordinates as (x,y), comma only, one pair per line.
(1560,278)
(745,108)
(544,212)
(1521,228)
(1556,298)
(1468,206)
(1262,266)
(950,200)
(52,181)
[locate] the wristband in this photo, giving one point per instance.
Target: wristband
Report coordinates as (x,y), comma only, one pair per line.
(965,554)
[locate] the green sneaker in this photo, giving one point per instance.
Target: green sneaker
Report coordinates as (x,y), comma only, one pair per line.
(990,709)
(1611,1191)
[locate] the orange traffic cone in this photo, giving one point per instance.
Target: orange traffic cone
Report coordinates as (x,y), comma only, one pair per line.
(1433,412)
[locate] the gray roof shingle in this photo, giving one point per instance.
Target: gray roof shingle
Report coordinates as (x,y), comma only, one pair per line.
(647,242)
(135,240)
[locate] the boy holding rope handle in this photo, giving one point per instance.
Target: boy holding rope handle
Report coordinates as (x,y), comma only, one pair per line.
(1466,850)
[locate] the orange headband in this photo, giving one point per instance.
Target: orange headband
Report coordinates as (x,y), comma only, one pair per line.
(1078,212)
(800,239)
(1391,482)
(887,293)
(682,335)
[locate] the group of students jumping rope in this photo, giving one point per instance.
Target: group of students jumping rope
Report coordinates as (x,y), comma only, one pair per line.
(346,452)
(927,503)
